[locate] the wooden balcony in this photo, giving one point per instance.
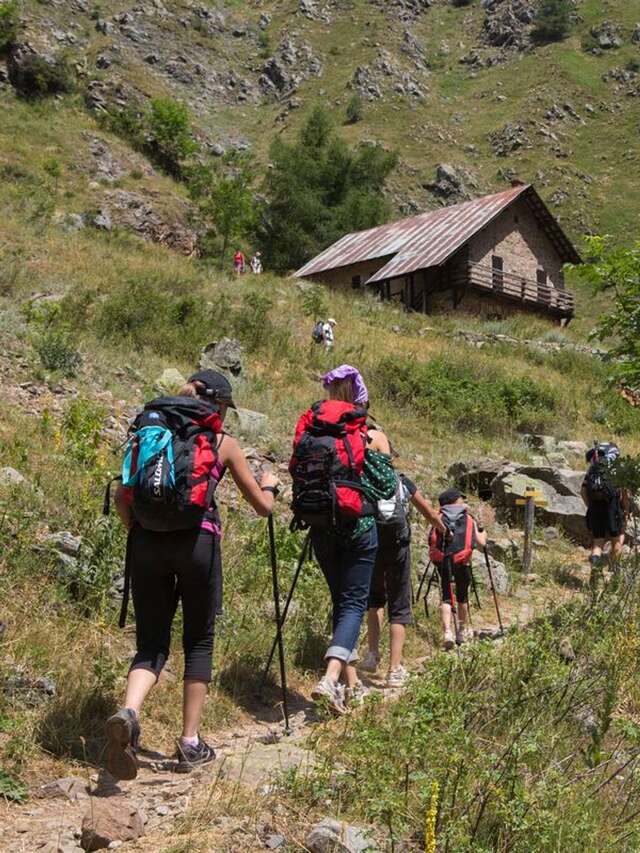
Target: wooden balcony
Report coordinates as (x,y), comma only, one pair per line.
(517,289)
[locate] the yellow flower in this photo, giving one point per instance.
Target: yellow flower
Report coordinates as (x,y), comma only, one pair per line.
(430,821)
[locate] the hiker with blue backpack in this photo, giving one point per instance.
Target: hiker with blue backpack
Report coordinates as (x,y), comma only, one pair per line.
(177,454)
(333,500)
(391,581)
(607,508)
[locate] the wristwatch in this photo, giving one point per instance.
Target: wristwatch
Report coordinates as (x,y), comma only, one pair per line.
(275,491)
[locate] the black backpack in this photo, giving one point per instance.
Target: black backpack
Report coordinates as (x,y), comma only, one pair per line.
(597,481)
(318,332)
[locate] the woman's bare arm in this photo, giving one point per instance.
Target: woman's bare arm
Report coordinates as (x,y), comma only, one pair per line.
(426,509)
(232,456)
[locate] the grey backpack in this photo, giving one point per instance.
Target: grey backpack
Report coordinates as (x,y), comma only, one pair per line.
(394,511)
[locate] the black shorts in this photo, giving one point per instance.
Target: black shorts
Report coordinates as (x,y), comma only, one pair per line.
(461,579)
(391,581)
(605,520)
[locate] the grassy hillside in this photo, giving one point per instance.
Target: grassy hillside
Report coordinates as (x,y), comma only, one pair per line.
(90,318)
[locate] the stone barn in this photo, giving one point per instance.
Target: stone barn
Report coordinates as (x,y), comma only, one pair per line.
(490,256)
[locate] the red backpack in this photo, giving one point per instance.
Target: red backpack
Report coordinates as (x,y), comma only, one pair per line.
(460,547)
(326,466)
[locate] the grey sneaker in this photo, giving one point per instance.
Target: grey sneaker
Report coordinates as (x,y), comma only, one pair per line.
(193,756)
(449,640)
(355,696)
(369,662)
(330,692)
(123,735)
(397,677)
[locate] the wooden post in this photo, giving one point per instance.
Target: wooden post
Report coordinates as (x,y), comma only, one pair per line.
(531,498)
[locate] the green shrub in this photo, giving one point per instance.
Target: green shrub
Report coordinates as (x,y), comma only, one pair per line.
(251,321)
(354,109)
(11,788)
(36,77)
(9,24)
(81,428)
(169,137)
(452,395)
(552,21)
(58,353)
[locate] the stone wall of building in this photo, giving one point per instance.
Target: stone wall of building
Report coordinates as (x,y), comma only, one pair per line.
(519,240)
(343,276)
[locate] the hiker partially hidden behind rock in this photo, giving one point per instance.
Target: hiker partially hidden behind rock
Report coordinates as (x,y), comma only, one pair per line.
(391,582)
(451,554)
(333,498)
(177,455)
(607,508)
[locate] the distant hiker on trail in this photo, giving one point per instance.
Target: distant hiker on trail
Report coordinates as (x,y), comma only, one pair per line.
(323,333)
(452,555)
(256,264)
(391,582)
(328,455)
(607,509)
(177,455)
(239,262)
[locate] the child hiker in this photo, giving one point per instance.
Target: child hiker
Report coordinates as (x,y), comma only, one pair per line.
(451,554)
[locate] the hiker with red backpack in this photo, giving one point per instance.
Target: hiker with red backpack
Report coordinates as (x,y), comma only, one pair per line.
(177,454)
(451,554)
(330,498)
(607,508)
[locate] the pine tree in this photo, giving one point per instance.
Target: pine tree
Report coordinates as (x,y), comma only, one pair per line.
(552,21)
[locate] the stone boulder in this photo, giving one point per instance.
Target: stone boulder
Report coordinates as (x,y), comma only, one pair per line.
(110,821)
(564,508)
(224,355)
(499,573)
(450,183)
(170,381)
(69,788)
(63,542)
(476,475)
(248,424)
(607,35)
(10,477)
(332,836)
(503,548)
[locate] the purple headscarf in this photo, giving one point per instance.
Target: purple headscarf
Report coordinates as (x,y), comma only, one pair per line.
(360,393)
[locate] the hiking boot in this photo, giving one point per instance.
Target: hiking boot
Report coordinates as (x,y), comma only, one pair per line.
(190,757)
(464,635)
(449,641)
(369,662)
(123,734)
(330,692)
(355,696)
(397,676)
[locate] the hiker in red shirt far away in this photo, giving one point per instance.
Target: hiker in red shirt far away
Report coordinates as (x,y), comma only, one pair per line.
(238,262)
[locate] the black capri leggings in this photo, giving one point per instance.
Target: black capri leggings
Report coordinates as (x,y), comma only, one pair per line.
(185,566)
(461,578)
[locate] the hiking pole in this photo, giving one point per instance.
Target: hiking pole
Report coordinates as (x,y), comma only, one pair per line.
(423,579)
(285,610)
(448,567)
(432,577)
(475,588)
(493,589)
(276,603)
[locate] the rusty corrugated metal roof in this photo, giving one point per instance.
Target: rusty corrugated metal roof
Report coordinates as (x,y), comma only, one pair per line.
(425,240)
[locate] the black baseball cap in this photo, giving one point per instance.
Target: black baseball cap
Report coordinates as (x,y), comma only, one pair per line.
(217,386)
(450,496)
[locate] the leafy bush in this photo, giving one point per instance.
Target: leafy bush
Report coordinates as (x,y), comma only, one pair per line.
(82,428)
(354,109)
(169,137)
(252,323)
(552,21)
(520,751)
(9,24)
(37,76)
(453,395)
(314,303)
(58,353)
(12,789)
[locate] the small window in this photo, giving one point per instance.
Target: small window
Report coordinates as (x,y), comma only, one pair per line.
(541,276)
(356,282)
(497,266)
